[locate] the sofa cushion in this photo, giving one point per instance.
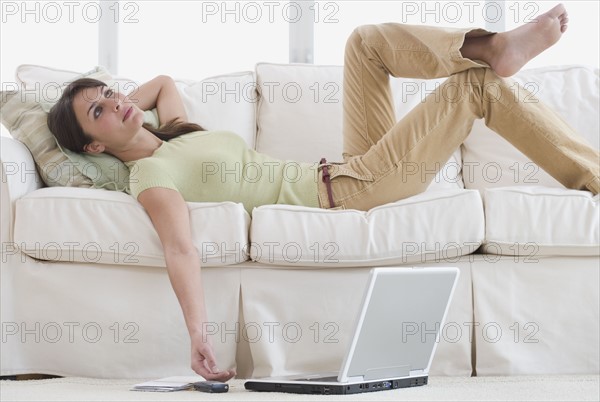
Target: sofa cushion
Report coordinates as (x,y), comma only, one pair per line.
(93,225)
(572,91)
(443,224)
(32,75)
(540,221)
(225,102)
(299,115)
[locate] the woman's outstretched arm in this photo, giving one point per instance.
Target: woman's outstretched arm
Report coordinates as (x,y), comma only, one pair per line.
(160,93)
(170,216)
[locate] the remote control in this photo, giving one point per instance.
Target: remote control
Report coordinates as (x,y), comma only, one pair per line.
(211,386)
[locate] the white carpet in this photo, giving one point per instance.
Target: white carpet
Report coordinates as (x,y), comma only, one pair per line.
(531,388)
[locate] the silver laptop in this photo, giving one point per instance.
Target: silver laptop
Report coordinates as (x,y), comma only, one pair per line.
(396,334)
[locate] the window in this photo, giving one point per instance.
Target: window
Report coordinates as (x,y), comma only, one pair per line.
(337,19)
(579,45)
(198,39)
(56,34)
(194,39)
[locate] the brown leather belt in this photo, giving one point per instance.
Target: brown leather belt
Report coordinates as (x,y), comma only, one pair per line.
(327,181)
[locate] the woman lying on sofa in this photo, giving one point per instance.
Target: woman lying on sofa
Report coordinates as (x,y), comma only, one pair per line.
(90,117)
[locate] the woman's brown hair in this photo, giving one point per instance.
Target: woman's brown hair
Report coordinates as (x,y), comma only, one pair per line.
(69,134)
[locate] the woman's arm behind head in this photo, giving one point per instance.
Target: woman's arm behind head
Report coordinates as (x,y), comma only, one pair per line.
(162,94)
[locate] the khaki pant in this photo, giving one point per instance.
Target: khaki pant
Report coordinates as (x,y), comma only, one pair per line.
(381,155)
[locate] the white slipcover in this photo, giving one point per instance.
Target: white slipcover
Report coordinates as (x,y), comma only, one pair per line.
(416,229)
(110,227)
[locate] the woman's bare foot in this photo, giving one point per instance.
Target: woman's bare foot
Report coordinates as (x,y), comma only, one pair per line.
(508,52)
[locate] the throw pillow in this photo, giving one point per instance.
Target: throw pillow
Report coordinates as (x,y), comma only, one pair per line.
(104,170)
(24,113)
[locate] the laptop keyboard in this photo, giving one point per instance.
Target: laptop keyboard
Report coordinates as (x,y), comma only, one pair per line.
(322,379)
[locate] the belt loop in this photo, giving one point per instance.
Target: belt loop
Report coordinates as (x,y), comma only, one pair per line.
(327,181)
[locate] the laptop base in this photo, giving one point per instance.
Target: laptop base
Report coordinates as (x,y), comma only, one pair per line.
(333,389)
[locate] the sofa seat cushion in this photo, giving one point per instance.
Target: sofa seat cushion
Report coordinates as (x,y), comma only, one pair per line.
(540,221)
(94,225)
(441,224)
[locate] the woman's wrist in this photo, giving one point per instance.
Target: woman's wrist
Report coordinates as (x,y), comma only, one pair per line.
(199,326)
(197,330)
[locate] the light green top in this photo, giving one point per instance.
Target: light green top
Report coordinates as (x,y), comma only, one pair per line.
(215,166)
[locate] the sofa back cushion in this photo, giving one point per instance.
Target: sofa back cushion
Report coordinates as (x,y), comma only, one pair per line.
(299,115)
(225,102)
(299,111)
(572,91)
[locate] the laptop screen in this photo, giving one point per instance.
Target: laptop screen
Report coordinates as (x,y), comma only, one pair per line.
(399,323)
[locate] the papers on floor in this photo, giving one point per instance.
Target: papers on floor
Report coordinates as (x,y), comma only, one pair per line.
(167,384)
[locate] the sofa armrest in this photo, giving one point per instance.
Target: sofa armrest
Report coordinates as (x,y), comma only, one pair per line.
(19,177)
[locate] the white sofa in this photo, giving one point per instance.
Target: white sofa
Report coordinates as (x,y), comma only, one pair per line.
(85,291)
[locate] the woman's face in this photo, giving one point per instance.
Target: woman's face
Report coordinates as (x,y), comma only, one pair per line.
(108,117)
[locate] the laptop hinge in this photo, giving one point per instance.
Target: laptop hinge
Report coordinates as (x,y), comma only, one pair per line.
(387,372)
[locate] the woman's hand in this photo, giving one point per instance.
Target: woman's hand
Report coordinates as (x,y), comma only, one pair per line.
(204,362)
